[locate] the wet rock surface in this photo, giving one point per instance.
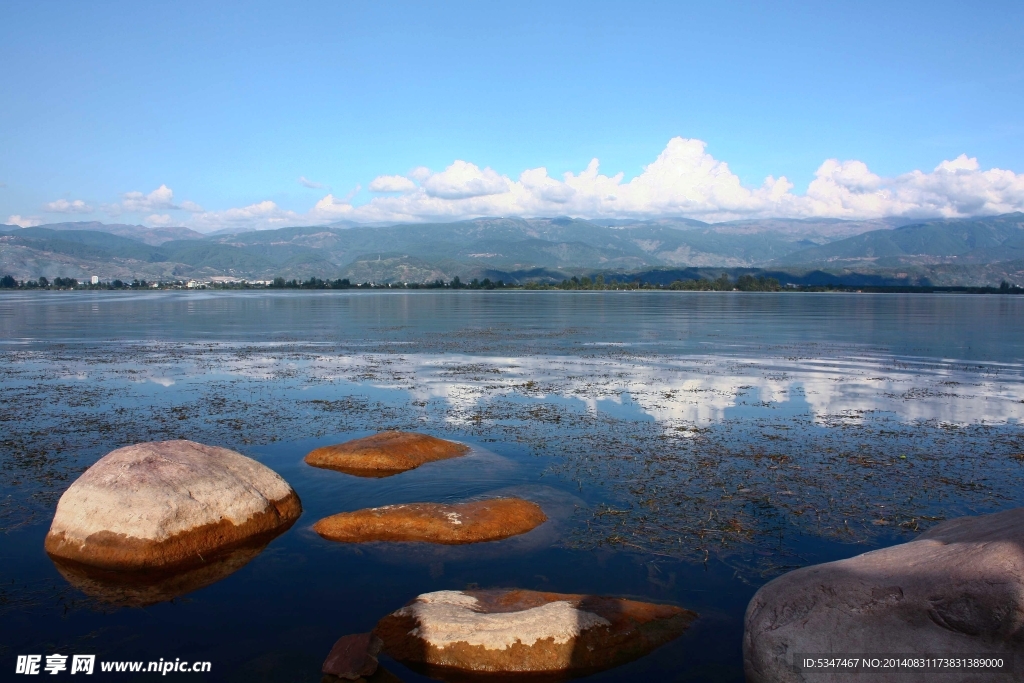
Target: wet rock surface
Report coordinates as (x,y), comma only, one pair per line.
(449,633)
(957,589)
(385,454)
(479,521)
(558,506)
(168,504)
(353,657)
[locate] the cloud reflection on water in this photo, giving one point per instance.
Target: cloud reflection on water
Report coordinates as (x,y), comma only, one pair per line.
(689,390)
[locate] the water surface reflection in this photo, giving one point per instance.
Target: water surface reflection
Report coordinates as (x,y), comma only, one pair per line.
(686,447)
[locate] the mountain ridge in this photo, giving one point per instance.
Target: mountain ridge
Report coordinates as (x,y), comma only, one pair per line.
(977,240)
(515,247)
(153,236)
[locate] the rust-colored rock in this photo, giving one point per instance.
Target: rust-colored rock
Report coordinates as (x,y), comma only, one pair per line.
(558,506)
(384,454)
(476,522)
(353,657)
(525,632)
(168,504)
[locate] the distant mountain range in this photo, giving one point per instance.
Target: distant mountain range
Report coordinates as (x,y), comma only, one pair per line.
(975,251)
(136,232)
(978,240)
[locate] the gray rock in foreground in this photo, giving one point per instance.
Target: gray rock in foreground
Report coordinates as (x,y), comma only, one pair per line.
(955,590)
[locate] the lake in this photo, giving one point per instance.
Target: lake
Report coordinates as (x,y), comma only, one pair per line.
(687,447)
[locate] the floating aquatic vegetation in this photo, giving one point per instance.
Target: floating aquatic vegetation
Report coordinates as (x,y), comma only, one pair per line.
(686,456)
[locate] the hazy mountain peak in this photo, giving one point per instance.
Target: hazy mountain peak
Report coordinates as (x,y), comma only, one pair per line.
(141,233)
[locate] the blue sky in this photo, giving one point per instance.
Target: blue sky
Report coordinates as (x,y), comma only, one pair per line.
(226,106)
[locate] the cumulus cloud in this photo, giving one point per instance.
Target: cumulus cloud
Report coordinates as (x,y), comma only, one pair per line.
(24,221)
(261,215)
(420,173)
(330,207)
(159,220)
(160,199)
(391,183)
(685,180)
(313,185)
(955,188)
(463,180)
(65,206)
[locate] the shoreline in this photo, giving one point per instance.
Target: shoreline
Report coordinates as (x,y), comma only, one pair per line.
(646,287)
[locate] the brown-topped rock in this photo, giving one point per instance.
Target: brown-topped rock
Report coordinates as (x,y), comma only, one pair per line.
(384,454)
(957,589)
(521,631)
(353,657)
(558,506)
(168,504)
(476,522)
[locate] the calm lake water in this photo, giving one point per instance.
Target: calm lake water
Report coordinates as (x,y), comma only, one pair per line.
(688,447)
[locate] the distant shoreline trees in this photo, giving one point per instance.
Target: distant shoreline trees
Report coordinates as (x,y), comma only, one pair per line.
(743,283)
(66,283)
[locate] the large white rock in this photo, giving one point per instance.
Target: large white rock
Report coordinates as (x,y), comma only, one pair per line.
(957,589)
(168,503)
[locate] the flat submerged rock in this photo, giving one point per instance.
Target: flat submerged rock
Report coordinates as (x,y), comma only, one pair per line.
(476,522)
(384,454)
(558,506)
(449,633)
(956,590)
(168,504)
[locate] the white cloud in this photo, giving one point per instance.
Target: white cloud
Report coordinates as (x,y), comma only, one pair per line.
(955,188)
(391,183)
(313,185)
(684,180)
(159,220)
(65,206)
(331,208)
(261,215)
(24,221)
(160,199)
(545,187)
(463,180)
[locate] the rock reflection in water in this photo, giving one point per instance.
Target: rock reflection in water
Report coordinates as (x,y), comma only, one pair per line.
(381,675)
(147,587)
